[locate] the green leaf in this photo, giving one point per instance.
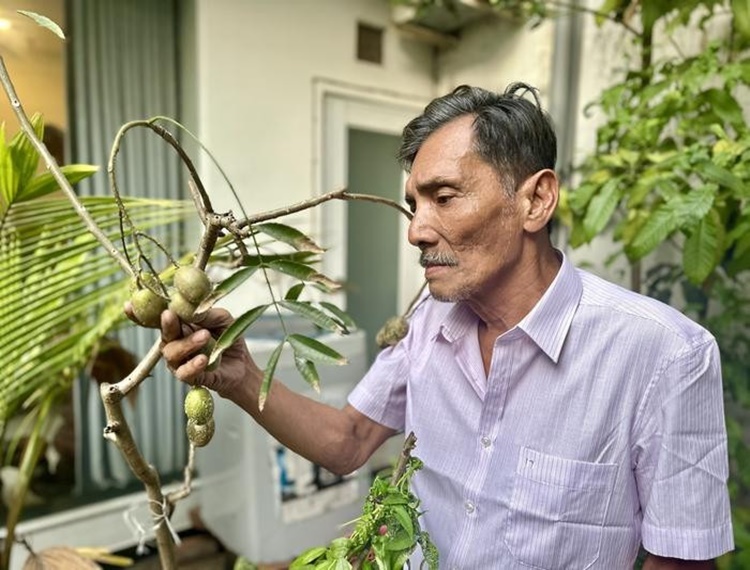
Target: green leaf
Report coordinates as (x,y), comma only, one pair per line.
(403,518)
(45,22)
(311,313)
(268,373)
(723,177)
(346,321)
(233,281)
(741,13)
(703,247)
(45,183)
(601,207)
(307,557)
(237,329)
(294,292)
(308,372)
(24,155)
(311,349)
(303,272)
(725,106)
(660,224)
(401,541)
(290,236)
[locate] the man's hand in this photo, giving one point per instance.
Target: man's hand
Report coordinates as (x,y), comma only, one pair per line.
(181,349)
(654,562)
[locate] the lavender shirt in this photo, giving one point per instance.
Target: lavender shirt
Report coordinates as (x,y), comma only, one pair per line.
(599,425)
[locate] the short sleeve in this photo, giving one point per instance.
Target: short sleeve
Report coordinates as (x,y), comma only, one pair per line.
(381,394)
(681,459)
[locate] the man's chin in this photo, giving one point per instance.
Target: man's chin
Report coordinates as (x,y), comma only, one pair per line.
(444,295)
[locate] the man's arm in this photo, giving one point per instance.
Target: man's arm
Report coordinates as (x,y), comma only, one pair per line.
(341,440)
(654,562)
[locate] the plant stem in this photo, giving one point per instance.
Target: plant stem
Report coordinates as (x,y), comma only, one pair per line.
(403,460)
(28,462)
(53,167)
(118,431)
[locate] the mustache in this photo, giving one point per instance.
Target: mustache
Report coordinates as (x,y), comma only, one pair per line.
(426,259)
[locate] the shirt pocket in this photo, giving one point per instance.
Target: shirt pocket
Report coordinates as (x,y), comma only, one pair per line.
(557,511)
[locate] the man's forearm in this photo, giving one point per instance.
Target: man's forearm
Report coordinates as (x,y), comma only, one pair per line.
(339,440)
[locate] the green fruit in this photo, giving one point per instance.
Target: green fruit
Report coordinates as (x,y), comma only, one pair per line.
(199,405)
(182,307)
(207,350)
(147,307)
(200,434)
(192,283)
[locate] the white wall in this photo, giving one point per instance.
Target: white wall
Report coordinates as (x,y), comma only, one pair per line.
(256,65)
(495,52)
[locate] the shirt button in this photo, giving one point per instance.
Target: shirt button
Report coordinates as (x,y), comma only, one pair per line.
(486,442)
(469,507)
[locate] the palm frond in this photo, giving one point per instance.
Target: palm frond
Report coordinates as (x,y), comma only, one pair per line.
(59,288)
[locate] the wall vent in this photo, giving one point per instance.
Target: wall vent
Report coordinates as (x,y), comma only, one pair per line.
(369,43)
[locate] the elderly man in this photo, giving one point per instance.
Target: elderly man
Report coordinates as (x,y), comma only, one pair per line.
(563,421)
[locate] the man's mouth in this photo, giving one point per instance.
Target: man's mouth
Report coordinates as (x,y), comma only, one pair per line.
(428,259)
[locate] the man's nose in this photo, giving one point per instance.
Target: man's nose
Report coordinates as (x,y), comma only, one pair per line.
(421,234)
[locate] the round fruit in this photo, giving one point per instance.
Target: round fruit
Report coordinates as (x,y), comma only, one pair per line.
(393,331)
(182,307)
(199,405)
(192,283)
(207,350)
(147,307)
(200,434)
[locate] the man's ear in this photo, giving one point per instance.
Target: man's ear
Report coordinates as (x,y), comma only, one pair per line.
(540,191)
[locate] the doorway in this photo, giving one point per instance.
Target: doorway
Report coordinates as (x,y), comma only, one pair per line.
(368,249)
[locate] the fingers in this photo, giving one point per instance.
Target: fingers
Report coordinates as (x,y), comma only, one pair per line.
(182,356)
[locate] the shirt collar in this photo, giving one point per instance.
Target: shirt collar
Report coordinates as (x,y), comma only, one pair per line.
(548,322)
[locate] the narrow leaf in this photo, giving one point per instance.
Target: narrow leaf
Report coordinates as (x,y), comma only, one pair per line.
(311,349)
(294,292)
(233,281)
(238,328)
(292,268)
(45,22)
(270,370)
(290,236)
(311,313)
(346,321)
(701,253)
(308,372)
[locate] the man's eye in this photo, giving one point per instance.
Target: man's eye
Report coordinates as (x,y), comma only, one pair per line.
(443,199)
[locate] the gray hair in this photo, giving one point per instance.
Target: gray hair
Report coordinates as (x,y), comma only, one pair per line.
(511,133)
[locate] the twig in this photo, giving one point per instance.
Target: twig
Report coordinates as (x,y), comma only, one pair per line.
(403,460)
(342,194)
(58,175)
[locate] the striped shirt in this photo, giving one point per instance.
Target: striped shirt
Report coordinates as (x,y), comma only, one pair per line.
(600,426)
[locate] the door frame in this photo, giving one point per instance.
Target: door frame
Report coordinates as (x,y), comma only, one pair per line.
(337,108)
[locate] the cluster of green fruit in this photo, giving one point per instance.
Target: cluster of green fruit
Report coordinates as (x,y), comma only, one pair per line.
(199,409)
(191,287)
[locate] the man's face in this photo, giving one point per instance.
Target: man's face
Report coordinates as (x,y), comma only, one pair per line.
(466,224)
